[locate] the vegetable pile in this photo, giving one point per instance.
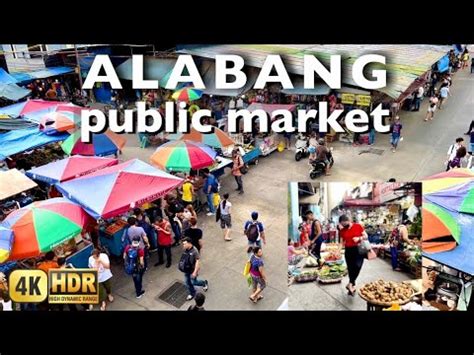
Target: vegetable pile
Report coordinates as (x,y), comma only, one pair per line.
(332,272)
(387,292)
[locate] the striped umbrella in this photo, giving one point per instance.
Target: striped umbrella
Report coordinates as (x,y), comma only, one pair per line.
(183,156)
(187,94)
(41,226)
(440,229)
(6,242)
(107,143)
(215,139)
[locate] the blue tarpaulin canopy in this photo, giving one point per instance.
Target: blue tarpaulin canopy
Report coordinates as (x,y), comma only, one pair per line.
(443,64)
(6,78)
(13,92)
(41,74)
(21,140)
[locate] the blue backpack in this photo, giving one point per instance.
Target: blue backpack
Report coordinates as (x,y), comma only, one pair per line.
(132,263)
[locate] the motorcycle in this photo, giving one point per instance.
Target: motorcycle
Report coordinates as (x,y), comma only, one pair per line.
(318,168)
(301,145)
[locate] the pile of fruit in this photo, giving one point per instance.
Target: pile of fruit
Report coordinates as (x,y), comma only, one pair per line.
(386,292)
(333,256)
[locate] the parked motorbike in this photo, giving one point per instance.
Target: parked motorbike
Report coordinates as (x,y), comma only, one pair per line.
(318,168)
(301,145)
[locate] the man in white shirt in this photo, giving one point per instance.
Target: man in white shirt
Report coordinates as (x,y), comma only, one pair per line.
(453,148)
(418,97)
(443,95)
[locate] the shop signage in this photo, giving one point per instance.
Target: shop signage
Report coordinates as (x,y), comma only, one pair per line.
(386,191)
(363,100)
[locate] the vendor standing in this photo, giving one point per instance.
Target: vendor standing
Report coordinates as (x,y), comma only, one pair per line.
(238,163)
(351,235)
(316,236)
(397,239)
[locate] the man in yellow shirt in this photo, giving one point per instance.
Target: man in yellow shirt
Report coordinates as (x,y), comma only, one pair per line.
(188,192)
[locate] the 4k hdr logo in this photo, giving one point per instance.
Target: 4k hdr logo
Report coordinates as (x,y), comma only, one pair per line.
(59,286)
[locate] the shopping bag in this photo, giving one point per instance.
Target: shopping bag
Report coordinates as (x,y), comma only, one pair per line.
(247,268)
(216,199)
(364,247)
(371,255)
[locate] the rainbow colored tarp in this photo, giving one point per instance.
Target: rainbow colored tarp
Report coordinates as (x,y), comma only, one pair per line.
(448,219)
(183,156)
(59,121)
(69,168)
(108,143)
(459,198)
(216,139)
(6,243)
(115,190)
(42,225)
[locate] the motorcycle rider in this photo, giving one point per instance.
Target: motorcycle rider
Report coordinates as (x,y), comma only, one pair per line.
(322,155)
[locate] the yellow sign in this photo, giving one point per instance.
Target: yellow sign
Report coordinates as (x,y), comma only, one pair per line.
(347,98)
(73,286)
(363,100)
(28,286)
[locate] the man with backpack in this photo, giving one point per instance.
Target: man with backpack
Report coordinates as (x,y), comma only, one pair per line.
(254,231)
(211,186)
(134,230)
(134,258)
(190,264)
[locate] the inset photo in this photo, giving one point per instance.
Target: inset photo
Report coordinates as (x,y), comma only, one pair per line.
(355,246)
(448,240)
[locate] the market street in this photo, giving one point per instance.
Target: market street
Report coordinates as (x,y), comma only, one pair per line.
(316,297)
(222,262)
(421,153)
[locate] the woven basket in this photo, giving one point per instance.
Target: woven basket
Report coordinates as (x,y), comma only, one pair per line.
(330,281)
(385,304)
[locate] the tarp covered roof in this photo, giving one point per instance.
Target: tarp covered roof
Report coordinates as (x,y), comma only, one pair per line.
(13,92)
(41,74)
(6,78)
(405,63)
(21,140)
(12,182)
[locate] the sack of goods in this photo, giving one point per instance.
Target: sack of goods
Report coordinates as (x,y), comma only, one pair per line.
(311,262)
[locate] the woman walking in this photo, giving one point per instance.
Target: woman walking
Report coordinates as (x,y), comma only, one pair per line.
(456,162)
(259,279)
(226,221)
(351,235)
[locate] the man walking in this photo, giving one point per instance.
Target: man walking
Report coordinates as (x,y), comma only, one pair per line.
(134,258)
(418,97)
(254,231)
(396,133)
(211,186)
(453,148)
(190,265)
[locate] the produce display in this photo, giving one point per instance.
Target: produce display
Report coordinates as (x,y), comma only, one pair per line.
(333,256)
(306,276)
(386,292)
(333,273)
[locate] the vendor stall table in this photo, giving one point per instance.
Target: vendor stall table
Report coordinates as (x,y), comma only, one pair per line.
(252,156)
(111,237)
(218,170)
(80,259)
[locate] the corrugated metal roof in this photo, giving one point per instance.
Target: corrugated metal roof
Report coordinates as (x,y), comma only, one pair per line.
(404,62)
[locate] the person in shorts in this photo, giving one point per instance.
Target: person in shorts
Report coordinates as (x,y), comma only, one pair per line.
(226,220)
(432,105)
(259,280)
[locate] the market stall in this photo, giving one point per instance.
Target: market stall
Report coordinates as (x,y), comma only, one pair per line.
(115,199)
(12,182)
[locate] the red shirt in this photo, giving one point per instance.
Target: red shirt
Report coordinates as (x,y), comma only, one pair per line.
(164,239)
(355,230)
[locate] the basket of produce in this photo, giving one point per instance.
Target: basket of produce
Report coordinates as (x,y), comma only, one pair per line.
(306,276)
(385,293)
(332,274)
